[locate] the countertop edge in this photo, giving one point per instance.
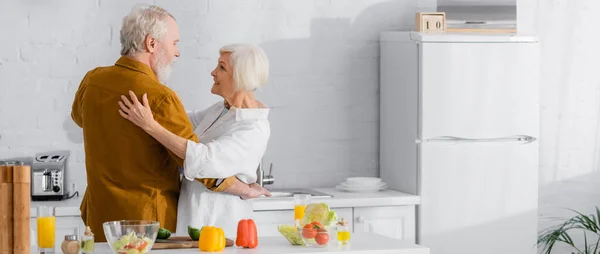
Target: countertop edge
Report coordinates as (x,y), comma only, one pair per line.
(70,208)
(361,243)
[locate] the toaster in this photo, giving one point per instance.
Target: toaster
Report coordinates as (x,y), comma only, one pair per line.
(49,176)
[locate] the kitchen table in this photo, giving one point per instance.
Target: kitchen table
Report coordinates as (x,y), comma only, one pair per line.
(360,243)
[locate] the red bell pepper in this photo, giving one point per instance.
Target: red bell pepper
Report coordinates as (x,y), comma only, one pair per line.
(246,234)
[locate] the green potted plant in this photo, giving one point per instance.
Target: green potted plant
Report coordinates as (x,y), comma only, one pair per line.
(589,224)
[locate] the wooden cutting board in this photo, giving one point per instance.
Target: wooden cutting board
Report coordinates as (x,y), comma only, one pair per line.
(181,242)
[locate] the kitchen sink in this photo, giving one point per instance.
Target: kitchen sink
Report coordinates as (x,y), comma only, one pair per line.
(289,193)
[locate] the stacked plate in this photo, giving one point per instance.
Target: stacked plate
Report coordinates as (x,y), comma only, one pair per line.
(362,184)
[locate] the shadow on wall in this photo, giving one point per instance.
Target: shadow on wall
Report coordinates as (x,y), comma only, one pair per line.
(74,133)
(325,95)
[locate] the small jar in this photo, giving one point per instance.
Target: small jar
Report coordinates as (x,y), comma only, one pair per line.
(87,241)
(343,232)
(70,245)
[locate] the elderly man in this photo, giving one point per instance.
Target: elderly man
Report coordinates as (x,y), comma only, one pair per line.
(130,175)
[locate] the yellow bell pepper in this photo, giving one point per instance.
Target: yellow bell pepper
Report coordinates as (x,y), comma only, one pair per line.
(211,239)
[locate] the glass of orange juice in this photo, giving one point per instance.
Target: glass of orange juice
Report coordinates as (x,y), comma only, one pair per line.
(46,228)
(300,202)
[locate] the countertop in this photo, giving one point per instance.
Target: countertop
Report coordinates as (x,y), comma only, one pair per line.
(360,243)
(70,207)
(63,208)
(342,199)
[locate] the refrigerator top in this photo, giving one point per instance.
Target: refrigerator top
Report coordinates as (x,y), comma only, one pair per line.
(418,37)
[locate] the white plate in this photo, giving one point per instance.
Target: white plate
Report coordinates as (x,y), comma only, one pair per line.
(362,185)
(359,190)
(363,181)
(341,187)
(350,186)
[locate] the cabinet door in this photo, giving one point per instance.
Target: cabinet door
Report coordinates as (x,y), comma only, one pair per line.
(391,221)
(267,221)
(64,226)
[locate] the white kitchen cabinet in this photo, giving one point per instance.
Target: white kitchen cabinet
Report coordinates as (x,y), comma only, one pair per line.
(64,226)
(267,221)
(391,221)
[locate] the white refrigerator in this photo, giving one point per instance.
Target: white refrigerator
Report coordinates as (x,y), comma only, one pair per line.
(459,127)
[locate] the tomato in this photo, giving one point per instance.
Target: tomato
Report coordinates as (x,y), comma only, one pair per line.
(317,224)
(322,238)
(308,226)
(308,231)
(142,246)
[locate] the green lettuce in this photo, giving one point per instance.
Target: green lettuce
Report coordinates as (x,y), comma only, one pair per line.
(321,213)
(291,233)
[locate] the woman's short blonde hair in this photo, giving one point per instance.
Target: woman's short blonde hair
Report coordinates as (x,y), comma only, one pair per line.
(250,65)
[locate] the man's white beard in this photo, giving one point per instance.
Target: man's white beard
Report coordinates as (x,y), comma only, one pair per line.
(162,68)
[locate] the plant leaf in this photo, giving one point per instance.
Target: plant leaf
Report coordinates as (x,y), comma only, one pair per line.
(589,222)
(597,216)
(567,238)
(560,233)
(585,243)
(596,248)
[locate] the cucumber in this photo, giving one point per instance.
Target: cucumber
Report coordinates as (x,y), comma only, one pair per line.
(163,233)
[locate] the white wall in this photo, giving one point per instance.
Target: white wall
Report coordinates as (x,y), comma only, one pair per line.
(323,87)
(570,106)
(476,2)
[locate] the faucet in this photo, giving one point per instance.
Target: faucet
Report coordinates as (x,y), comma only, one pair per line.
(263,179)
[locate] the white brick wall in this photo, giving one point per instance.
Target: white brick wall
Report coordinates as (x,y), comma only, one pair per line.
(324,57)
(570,107)
(323,86)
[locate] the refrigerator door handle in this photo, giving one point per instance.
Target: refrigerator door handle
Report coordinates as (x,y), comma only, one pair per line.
(523,139)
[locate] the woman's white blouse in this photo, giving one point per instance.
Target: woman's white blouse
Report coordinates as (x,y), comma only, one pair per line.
(231,144)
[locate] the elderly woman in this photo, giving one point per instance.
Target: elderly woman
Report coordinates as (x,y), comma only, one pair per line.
(233,138)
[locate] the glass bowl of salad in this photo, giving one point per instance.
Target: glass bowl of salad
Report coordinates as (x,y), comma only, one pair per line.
(131,236)
(314,234)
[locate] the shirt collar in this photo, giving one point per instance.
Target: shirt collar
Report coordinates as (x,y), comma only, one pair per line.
(135,65)
(242,114)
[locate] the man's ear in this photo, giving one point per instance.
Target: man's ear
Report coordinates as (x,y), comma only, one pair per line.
(151,44)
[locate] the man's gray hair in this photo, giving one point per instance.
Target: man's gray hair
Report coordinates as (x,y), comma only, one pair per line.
(250,65)
(142,20)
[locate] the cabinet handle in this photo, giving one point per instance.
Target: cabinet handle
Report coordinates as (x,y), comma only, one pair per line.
(360,219)
(522,139)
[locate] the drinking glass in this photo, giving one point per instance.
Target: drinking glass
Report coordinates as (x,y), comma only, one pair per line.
(300,202)
(46,228)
